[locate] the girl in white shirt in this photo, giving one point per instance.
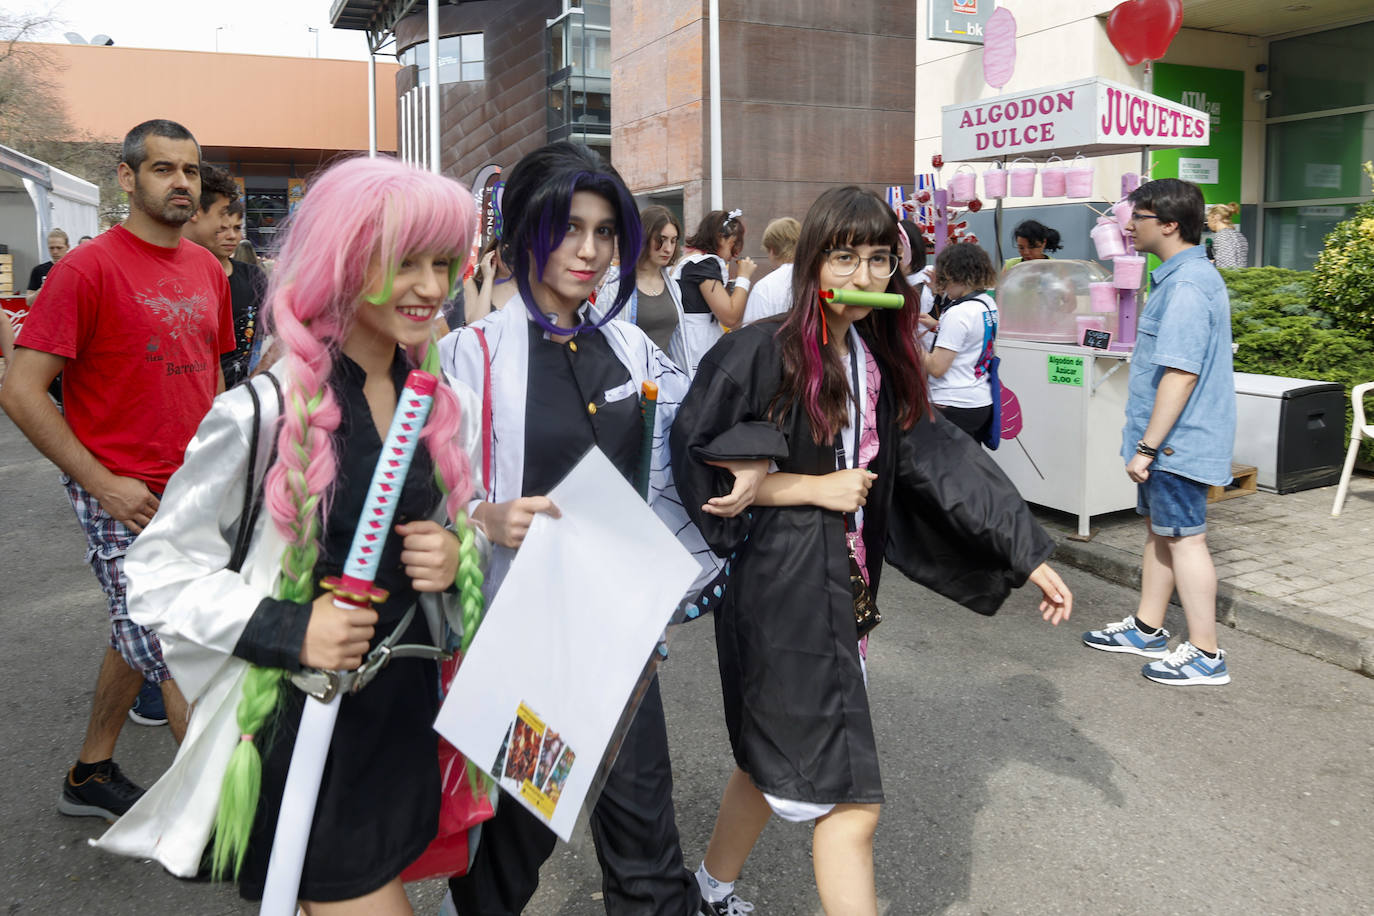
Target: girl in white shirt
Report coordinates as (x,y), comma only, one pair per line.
(964,346)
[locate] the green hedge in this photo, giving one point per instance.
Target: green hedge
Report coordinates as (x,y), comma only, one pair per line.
(1278,333)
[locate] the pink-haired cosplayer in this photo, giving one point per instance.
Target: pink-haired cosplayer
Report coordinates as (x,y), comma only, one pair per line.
(369,258)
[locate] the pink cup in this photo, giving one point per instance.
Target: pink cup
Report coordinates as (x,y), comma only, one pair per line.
(1102,296)
(1022,180)
(1107,238)
(1122,211)
(1052,178)
(995,183)
(963,185)
(1128,271)
(1078,182)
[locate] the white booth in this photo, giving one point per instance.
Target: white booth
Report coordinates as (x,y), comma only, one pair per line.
(1067,453)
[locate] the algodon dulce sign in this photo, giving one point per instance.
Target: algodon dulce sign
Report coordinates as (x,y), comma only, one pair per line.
(1090,116)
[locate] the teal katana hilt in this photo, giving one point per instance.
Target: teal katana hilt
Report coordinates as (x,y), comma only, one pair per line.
(867,300)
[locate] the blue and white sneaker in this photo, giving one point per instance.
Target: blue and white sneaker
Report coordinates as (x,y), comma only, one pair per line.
(1187,665)
(1125,636)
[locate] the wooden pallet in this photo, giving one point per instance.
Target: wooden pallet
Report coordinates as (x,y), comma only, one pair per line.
(1244,482)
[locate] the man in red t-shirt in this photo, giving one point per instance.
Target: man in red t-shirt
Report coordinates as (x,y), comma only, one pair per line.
(135,322)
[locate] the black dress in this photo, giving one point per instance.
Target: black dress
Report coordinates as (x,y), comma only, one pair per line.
(795,704)
(378,806)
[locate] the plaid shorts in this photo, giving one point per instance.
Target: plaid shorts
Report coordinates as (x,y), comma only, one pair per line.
(107,540)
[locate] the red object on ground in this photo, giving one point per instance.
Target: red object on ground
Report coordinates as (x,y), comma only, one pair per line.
(1142,29)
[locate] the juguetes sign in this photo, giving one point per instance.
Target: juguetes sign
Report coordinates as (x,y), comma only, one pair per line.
(1089,116)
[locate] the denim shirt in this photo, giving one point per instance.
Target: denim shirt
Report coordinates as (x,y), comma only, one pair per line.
(1186,325)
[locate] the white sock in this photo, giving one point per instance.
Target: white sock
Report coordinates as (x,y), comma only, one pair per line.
(714,891)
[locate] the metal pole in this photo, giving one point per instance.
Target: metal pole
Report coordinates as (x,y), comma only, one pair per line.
(1149,87)
(433,120)
(421,131)
(717,180)
(371,102)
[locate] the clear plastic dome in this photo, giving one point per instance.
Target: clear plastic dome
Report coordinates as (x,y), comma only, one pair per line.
(1042,300)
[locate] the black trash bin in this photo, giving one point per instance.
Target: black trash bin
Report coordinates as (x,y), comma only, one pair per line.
(1291,429)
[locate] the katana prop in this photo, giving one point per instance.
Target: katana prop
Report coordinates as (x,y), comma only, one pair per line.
(354,589)
(648,411)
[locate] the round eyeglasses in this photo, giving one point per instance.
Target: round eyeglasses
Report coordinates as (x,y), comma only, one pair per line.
(843,263)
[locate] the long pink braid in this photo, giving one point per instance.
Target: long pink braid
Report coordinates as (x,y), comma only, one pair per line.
(360,215)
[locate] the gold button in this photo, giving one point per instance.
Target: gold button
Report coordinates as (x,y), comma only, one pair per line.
(572,345)
(591,409)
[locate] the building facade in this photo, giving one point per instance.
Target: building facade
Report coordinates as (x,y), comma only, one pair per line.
(271,121)
(813,95)
(513,75)
(1288,90)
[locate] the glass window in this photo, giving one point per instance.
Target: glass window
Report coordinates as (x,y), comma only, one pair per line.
(1293,236)
(462,58)
(1322,71)
(597,12)
(1319,158)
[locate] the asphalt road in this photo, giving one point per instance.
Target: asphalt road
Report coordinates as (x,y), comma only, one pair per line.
(1023,772)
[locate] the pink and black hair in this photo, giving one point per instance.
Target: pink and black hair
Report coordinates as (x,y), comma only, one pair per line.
(534,215)
(814,378)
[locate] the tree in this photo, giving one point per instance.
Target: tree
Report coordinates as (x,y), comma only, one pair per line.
(34,119)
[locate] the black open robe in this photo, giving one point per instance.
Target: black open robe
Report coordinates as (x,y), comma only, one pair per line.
(940,511)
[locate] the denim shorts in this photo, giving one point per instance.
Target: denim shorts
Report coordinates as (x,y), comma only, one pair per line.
(1175,506)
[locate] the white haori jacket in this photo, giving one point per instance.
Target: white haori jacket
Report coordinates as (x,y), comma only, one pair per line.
(179,587)
(507,337)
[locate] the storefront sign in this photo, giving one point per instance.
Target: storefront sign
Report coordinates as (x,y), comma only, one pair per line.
(1220,96)
(1199,171)
(1066,370)
(959,20)
(1088,116)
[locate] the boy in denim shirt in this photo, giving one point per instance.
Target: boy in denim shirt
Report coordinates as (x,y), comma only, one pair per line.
(1180,426)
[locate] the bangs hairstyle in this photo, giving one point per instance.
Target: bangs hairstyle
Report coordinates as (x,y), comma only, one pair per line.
(356,211)
(361,208)
(214,184)
(1174,201)
(534,219)
(814,378)
(652,220)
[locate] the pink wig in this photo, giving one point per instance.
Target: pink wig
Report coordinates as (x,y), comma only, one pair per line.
(357,209)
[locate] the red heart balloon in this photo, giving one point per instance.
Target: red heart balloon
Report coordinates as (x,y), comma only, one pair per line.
(1142,29)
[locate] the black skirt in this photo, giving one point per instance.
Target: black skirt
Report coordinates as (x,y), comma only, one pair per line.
(379,801)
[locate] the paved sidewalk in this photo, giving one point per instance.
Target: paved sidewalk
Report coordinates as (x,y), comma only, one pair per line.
(1287,571)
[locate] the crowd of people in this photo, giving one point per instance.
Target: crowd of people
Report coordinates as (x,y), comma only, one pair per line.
(805,440)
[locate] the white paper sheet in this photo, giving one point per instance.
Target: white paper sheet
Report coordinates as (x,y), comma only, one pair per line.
(567,636)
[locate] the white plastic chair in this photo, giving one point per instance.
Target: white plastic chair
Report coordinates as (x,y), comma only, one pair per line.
(1359,430)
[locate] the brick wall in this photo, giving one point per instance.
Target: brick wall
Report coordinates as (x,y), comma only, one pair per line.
(815,94)
(503,117)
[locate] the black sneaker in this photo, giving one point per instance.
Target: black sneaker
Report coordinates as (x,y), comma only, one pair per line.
(730,906)
(148,708)
(106,793)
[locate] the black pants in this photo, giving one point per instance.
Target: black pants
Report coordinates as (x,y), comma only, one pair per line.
(633,828)
(973,420)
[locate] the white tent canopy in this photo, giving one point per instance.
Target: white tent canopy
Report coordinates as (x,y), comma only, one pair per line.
(36,198)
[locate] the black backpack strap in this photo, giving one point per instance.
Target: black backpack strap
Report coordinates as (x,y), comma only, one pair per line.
(252,491)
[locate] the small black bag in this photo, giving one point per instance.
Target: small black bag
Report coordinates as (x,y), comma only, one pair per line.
(866,613)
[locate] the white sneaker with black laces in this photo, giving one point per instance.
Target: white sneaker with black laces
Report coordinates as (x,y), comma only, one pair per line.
(730,906)
(1187,665)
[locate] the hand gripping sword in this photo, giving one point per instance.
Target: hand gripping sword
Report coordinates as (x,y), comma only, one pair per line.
(354,589)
